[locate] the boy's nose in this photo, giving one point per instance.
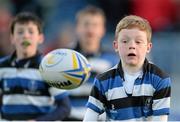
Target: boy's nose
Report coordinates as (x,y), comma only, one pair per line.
(26,35)
(132,45)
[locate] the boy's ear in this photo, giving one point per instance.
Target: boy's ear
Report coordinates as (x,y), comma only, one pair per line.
(149,47)
(41,38)
(115,45)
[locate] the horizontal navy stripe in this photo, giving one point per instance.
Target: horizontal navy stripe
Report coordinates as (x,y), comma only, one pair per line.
(61,96)
(107,75)
(25,86)
(84,96)
(19,90)
(79,102)
(20,116)
(152,79)
(15,109)
(164,111)
(109,83)
(125,113)
(156,81)
(145,80)
(112,83)
(165,92)
(153,69)
(128,102)
(163,84)
(24,83)
(93,107)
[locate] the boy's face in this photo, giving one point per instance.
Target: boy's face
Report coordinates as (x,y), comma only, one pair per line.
(90,29)
(132,46)
(26,38)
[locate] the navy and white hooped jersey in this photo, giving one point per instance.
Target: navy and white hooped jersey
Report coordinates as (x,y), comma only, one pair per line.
(100,62)
(150,96)
(24,94)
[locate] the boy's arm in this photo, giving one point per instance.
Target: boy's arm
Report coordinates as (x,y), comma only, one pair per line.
(62,104)
(161,100)
(158,118)
(61,112)
(91,115)
(97,99)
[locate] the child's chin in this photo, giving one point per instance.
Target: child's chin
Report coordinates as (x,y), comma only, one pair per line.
(26,50)
(132,63)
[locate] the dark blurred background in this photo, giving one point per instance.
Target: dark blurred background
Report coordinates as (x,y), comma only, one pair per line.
(59,22)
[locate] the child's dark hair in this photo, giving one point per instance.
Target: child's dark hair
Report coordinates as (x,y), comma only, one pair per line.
(26,17)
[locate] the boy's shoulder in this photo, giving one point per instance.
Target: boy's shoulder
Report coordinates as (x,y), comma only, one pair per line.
(4,61)
(111,73)
(154,69)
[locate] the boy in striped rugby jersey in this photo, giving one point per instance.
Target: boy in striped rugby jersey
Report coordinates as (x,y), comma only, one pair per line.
(134,89)
(25,96)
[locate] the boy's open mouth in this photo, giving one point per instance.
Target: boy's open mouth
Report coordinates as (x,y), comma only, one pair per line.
(131,54)
(26,43)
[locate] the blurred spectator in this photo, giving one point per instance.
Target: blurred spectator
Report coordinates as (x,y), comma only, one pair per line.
(160,13)
(64,39)
(114,10)
(24,94)
(63,11)
(90,28)
(4,32)
(33,6)
(177,24)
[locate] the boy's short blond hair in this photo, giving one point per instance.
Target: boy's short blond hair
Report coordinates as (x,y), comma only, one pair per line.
(90,10)
(132,21)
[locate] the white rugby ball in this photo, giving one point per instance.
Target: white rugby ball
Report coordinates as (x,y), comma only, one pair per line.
(64,68)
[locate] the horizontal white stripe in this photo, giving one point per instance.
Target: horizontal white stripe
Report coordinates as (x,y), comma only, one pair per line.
(115,93)
(33,74)
(163,118)
(161,103)
(83,90)
(78,112)
(27,100)
(138,90)
(96,102)
(144,89)
(55,91)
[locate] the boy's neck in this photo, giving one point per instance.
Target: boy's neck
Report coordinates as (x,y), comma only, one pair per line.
(24,55)
(132,69)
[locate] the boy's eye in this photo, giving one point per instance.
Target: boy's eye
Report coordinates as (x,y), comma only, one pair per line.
(20,32)
(31,31)
(124,41)
(139,41)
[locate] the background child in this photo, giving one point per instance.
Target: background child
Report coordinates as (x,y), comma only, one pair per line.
(135,89)
(25,96)
(90,29)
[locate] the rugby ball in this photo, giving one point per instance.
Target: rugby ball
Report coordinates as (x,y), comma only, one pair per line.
(64,69)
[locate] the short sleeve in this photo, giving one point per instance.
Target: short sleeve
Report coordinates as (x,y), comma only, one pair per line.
(97,99)
(161,98)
